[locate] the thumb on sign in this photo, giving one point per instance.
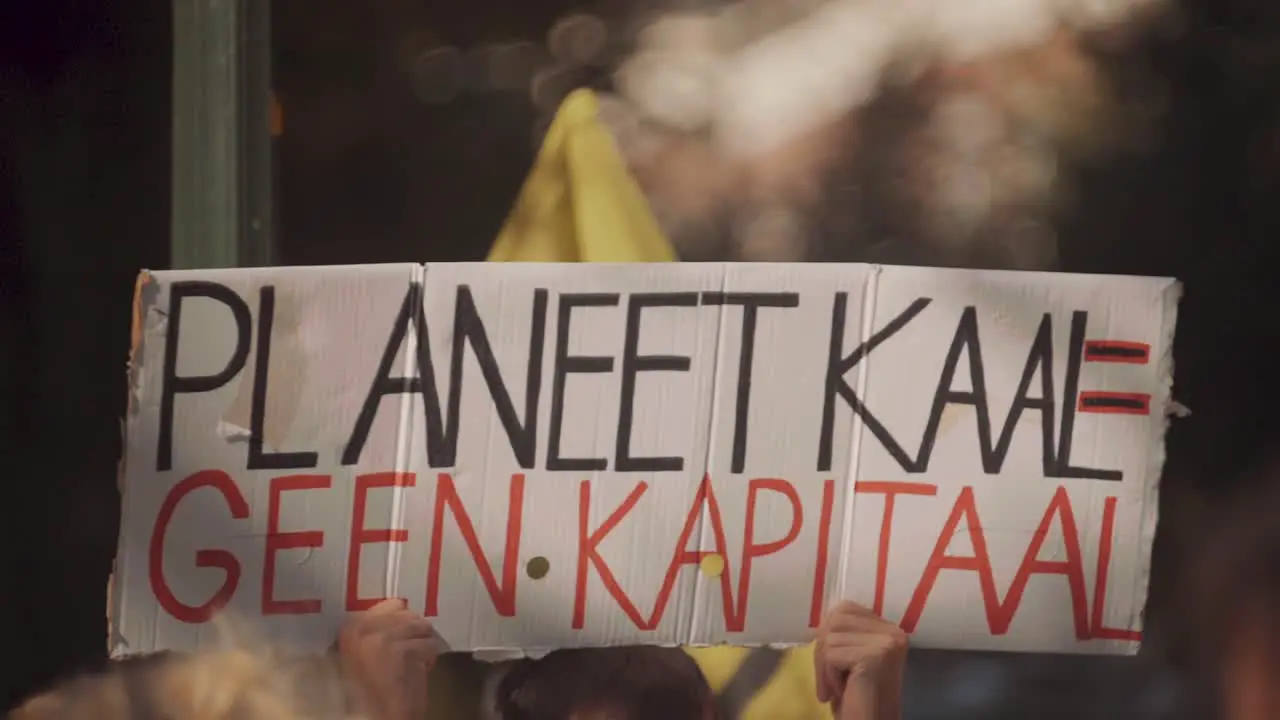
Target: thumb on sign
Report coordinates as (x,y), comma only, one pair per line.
(387,652)
(388,606)
(859,662)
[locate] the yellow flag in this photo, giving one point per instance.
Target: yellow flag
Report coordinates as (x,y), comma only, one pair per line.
(579,203)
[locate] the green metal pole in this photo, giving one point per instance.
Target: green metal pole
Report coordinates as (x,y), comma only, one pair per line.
(221,134)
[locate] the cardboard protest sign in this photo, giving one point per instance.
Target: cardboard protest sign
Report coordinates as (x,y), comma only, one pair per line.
(546,455)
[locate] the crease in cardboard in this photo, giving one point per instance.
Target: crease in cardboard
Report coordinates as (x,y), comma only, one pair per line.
(697,615)
(141,302)
(404,439)
(870,294)
(145,292)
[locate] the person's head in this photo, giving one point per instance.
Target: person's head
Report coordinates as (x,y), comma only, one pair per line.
(1238,620)
(620,683)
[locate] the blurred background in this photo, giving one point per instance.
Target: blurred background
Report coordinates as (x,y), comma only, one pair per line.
(1134,137)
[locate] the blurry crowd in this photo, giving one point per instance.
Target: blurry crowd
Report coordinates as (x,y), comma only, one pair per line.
(789,130)
(907,131)
(966,117)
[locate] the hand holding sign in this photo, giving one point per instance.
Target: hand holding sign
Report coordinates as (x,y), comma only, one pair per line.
(387,653)
(859,661)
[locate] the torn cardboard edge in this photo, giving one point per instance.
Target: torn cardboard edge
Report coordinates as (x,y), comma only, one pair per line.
(137,319)
(1150,515)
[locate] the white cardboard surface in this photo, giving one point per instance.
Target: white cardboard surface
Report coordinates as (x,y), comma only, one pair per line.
(968,507)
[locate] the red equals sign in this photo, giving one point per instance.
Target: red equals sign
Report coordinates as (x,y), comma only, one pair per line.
(1122,403)
(1114,402)
(1117,351)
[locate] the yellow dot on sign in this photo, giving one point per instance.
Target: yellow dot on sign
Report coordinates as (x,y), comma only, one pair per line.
(712,565)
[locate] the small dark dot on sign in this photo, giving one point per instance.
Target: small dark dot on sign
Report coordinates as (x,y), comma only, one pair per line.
(538,567)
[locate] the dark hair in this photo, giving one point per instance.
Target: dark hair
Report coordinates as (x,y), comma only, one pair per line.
(631,683)
(1237,586)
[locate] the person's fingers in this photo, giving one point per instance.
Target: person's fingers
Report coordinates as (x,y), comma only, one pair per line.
(399,631)
(823,688)
(858,623)
(854,649)
(833,612)
(849,658)
(880,642)
(400,686)
(389,621)
(859,699)
(393,623)
(409,688)
(843,625)
(850,608)
(394,635)
(837,660)
(862,630)
(389,605)
(851,616)
(418,657)
(835,681)
(411,627)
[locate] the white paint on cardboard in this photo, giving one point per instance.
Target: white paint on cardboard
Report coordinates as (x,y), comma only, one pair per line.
(772,501)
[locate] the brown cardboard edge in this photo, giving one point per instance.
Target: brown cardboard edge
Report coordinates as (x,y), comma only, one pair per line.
(137,316)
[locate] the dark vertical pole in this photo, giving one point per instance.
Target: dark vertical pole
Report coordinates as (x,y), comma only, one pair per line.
(257,223)
(221,134)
